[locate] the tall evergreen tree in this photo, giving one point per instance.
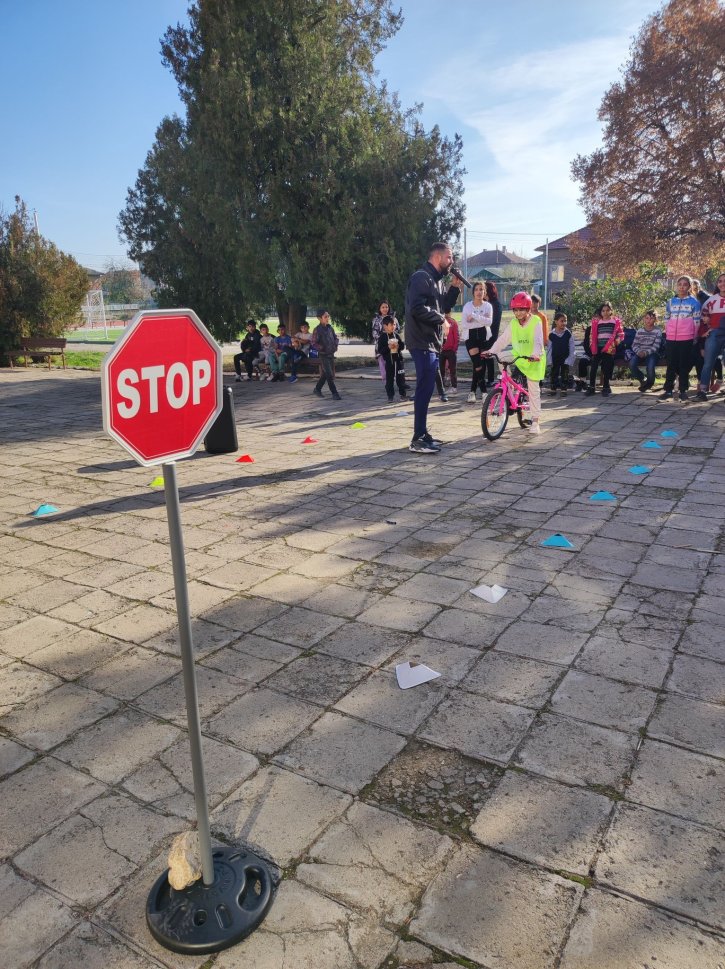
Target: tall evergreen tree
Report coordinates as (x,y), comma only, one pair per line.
(293,177)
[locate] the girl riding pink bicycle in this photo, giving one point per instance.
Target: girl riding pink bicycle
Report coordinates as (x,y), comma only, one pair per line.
(527,339)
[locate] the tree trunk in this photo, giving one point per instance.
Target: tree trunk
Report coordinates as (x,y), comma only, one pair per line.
(292,314)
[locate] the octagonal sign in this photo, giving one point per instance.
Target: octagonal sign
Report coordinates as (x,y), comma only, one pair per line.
(162,385)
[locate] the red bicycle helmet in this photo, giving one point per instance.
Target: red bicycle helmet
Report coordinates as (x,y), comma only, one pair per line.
(521,301)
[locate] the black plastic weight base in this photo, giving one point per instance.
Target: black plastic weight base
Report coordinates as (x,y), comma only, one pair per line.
(202,919)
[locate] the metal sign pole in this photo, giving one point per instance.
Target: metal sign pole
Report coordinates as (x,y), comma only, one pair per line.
(173,512)
(160,422)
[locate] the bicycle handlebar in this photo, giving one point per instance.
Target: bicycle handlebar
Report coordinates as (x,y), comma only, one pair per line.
(506,363)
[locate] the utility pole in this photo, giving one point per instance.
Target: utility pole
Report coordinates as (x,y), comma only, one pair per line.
(546,274)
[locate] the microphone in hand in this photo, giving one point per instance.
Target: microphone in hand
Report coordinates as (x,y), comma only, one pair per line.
(455,271)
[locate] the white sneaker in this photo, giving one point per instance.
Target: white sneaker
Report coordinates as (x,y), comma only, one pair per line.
(471,399)
(453,390)
(535,428)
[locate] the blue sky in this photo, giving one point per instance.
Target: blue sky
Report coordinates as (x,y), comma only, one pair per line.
(521,80)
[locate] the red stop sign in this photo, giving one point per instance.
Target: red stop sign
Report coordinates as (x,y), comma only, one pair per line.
(162,385)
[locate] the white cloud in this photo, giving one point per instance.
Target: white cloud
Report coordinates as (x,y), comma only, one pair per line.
(528,116)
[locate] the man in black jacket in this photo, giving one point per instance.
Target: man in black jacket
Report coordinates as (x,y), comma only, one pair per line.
(426,303)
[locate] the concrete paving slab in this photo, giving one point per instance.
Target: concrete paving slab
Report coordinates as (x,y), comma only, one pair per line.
(466,628)
(240,665)
(577,753)
(673,863)
(611,932)
(380,700)
(514,679)
(689,723)
(60,860)
(543,822)
(362,643)
(167,784)
(699,678)
(262,721)
(679,782)
(31,927)
(305,930)
(131,673)
(280,812)
(476,726)
(342,752)
(118,745)
(30,635)
(91,947)
(299,627)
(497,912)
(55,792)
(628,662)
(13,756)
(215,691)
(138,624)
(375,861)
(597,699)
(399,614)
(13,889)
(44,722)
(22,683)
(523,638)
(317,679)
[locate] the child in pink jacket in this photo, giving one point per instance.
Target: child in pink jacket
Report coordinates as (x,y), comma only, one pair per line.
(683,315)
(449,352)
(606,334)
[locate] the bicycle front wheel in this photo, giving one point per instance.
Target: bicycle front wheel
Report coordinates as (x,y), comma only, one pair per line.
(494,414)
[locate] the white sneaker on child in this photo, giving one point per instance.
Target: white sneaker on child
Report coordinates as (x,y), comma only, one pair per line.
(471,399)
(535,428)
(452,390)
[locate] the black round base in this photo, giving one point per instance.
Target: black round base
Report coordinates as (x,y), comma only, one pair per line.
(204,918)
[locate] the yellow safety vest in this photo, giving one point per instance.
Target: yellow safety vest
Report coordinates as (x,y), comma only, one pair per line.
(522,341)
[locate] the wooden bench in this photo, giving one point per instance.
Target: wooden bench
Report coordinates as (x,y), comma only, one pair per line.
(45,348)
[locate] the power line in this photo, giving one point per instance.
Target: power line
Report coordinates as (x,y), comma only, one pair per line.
(497,233)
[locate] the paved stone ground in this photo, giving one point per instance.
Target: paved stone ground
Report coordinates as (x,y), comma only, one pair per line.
(555,799)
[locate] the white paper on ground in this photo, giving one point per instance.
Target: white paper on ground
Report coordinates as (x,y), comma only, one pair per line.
(413,675)
(490,593)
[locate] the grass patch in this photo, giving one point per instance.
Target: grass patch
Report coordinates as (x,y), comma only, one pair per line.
(85,359)
(612,793)
(584,880)
(94,336)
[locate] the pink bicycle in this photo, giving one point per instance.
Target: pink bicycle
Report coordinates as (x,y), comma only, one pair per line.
(505,396)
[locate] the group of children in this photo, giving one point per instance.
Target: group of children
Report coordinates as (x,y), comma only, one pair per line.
(693,337)
(265,357)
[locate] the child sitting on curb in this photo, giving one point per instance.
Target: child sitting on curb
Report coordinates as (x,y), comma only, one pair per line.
(645,350)
(262,360)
